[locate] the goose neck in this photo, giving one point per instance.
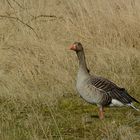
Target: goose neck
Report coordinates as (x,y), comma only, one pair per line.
(82,62)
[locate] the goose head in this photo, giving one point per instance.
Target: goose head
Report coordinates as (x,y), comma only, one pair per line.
(76,46)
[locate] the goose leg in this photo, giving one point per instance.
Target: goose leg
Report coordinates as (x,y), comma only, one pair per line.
(101,113)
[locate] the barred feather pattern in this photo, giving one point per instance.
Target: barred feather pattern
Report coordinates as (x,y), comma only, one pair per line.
(111,91)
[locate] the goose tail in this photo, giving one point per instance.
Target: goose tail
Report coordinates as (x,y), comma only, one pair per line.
(131,105)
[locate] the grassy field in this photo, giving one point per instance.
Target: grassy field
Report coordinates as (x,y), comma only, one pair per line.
(38,99)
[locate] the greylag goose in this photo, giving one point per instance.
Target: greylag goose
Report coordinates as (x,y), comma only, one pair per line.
(98,90)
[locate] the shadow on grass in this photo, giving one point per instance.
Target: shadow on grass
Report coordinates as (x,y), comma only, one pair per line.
(95,116)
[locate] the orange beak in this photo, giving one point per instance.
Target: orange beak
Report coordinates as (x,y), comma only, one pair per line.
(72,47)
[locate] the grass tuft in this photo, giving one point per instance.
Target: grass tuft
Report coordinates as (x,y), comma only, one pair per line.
(38,99)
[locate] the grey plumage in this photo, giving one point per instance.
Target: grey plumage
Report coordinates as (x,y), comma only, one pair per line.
(112,91)
(98,90)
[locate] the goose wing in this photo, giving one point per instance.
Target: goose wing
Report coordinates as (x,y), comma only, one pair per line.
(111,91)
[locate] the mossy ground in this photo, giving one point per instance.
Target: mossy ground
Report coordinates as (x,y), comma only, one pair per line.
(72,118)
(38,100)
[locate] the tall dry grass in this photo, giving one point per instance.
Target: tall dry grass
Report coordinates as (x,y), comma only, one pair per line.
(37,71)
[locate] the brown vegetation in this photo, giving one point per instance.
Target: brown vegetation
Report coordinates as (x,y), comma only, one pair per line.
(37,71)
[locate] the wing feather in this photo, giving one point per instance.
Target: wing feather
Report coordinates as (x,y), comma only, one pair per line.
(111,91)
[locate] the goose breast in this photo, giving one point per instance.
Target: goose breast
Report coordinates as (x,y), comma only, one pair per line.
(89,92)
